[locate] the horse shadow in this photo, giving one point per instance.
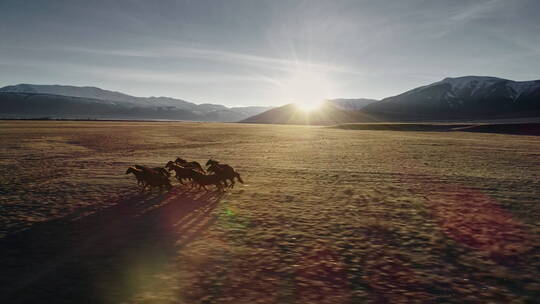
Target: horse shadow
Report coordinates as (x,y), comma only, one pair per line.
(101,257)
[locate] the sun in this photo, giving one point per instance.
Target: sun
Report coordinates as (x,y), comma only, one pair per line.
(307,89)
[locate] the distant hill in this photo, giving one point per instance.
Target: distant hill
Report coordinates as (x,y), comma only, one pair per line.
(327,114)
(28,100)
(462,98)
(351,104)
(470,97)
(33,105)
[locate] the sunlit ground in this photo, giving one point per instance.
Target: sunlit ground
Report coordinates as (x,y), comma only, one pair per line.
(325,216)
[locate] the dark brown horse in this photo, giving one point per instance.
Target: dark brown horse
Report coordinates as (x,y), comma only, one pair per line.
(203,180)
(181,173)
(162,171)
(159,180)
(192,164)
(139,175)
(155,170)
(151,178)
(225,171)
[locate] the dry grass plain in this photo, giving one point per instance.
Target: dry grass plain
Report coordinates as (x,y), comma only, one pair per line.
(325,216)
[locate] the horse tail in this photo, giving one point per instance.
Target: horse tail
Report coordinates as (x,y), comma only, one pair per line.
(238,177)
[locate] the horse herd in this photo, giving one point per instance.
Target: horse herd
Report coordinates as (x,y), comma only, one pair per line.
(192,174)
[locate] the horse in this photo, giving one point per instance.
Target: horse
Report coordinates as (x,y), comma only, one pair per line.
(181,172)
(212,162)
(224,171)
(139,175)
(192,164)
(160,181)
(203,180)
(162,171)
(155,170)
(150,177)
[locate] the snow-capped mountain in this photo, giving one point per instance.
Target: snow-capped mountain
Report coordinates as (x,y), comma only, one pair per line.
(25,100)
(470,86)
(463,97)
(469,97)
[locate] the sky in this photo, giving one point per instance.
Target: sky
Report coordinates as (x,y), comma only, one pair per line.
(248,52)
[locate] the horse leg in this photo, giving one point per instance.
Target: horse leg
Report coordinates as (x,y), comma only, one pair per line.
(143,186)
(188,183)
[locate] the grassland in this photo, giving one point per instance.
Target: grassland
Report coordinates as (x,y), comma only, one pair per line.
(326,216)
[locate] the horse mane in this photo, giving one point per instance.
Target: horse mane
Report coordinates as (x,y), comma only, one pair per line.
(133,169)
(211,162)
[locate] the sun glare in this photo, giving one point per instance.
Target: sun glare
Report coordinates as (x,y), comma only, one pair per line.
(308,106)
(307,89)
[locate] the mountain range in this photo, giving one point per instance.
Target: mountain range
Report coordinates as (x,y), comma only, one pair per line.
(328,113)
(29,100)
(350,104)
(461,98)
(469,97)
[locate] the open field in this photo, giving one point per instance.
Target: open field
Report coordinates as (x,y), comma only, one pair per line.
(326,216)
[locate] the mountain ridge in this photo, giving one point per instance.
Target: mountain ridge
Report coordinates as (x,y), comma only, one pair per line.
(457,98)
(452,98)
(461,97)
(97,93)
(327,114)
(351,104)
(131,106)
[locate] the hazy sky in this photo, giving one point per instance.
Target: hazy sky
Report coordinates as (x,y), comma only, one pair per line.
(265,52)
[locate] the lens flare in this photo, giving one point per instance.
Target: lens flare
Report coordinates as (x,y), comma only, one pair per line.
(308,106)
(307,89)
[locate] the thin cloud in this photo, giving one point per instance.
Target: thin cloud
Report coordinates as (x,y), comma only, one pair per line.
(214,55)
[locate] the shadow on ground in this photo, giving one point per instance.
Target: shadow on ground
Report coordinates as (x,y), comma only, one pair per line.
(501,128)
(103,257)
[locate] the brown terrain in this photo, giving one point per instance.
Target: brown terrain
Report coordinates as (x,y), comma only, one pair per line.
(326,215)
